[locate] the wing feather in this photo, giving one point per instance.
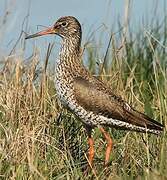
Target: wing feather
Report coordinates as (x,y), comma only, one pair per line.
(94,96)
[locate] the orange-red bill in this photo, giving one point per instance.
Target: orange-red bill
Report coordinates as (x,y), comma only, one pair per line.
(50,30)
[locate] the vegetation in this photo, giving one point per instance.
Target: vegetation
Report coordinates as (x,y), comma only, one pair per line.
(34,144)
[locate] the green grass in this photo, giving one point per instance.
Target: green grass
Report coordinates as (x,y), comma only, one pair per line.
(33,145)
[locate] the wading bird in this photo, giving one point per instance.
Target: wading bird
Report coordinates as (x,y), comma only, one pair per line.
(86,96)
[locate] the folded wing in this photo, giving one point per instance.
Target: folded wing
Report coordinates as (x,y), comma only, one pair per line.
(94,96)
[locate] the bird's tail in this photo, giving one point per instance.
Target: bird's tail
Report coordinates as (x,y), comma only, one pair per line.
(142,123)
(136,121)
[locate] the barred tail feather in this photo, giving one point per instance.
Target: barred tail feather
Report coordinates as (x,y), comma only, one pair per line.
(135,121)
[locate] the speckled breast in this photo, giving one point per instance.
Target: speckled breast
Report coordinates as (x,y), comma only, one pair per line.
(65,93)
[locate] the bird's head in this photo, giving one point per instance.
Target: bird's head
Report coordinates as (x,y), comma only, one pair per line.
(65,27)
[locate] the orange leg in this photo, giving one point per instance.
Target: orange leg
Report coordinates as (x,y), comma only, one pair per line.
(91,151)
(109,145)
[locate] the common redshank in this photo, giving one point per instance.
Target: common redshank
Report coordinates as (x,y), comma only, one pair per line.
(86,96)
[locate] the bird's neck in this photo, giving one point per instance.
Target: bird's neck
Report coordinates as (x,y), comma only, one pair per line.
(70,48)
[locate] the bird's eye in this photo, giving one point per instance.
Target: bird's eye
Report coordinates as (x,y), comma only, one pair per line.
(64,24)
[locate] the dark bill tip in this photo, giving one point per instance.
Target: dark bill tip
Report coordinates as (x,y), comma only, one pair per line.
(32,36)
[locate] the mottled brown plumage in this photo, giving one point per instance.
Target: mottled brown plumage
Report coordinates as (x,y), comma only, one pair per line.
(95,96)
(86,96)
